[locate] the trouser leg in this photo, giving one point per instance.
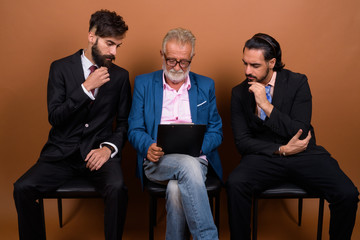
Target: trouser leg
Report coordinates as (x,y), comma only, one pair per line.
(190,173)
(251,176)
(321,173)
(110,182)
(43,176)
(175,218)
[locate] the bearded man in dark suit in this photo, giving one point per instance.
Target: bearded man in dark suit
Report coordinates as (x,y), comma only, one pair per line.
(86,94)
(271,121)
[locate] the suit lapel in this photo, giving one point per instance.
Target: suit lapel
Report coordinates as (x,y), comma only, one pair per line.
(158,96)
(193,98)
(77,68)
(280,84)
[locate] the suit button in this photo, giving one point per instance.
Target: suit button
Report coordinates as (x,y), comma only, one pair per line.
(86,125)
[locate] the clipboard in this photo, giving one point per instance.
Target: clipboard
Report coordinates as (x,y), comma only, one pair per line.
(181,138)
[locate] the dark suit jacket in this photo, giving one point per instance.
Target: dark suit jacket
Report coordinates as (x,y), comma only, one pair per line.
(292,111)
(145,115)
(77,121)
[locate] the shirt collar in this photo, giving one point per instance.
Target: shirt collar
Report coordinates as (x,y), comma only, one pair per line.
(272,80)
(85,61)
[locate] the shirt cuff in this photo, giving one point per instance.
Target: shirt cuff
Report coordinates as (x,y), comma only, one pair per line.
(111,144)
(87,92)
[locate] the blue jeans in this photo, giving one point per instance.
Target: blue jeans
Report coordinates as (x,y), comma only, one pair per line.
(186,196)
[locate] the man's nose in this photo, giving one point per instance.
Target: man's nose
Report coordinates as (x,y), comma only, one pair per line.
(113,50)
(248,70)
(177,67)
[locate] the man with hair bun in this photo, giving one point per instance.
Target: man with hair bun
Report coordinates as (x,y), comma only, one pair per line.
(271,123)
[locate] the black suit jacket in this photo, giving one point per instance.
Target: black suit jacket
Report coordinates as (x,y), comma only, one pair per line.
(292,111)
(77,121)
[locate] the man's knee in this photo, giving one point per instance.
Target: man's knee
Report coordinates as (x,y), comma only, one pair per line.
(236,185)
(23,190)
(21,185)
(173,195)
(117,187)
(233,181)
(347,194)
(191,168)
(350,195)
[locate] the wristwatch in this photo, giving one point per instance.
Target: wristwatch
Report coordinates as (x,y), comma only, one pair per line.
(112,149)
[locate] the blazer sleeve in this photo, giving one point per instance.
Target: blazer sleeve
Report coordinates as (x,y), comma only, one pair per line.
(295,112)
(213,135)
(138,136)
(119,135)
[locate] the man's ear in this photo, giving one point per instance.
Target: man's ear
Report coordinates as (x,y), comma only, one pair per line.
(91,37)
(272,63)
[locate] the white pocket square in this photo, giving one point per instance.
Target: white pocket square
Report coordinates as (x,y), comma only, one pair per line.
(201,104)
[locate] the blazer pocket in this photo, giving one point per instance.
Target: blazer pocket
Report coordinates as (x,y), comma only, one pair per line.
(202,106)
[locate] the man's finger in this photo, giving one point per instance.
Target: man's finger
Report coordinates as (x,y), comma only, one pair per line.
(88,156)
(308,136)
(99,165)
(298,134)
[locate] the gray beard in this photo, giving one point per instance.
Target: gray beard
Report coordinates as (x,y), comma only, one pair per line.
(175,76)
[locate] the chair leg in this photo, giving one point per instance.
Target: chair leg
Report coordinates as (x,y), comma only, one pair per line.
(152,216)
(217,212)
(41,204)
(211,202)
(300,208)
(60,212)
(255,214)
(187,232)
(320,219)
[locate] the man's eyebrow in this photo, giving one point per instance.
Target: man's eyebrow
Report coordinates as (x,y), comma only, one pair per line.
(113,43)
(109,41)
(252,64)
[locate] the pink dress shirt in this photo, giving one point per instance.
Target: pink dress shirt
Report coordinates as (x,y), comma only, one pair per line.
(176,105)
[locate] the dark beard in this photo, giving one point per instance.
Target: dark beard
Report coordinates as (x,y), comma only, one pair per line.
(259,80)
(101,60)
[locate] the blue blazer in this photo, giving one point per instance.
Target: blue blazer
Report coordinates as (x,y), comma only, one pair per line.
(145,116)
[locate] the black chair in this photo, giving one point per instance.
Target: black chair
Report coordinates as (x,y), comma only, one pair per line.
(288,190)
(73,188)
(213,186)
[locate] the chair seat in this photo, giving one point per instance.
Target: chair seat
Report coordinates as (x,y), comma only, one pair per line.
(287,190)
(74,188)
(77,187)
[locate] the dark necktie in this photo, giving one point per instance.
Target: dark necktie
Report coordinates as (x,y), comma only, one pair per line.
(92,69)
(268,96)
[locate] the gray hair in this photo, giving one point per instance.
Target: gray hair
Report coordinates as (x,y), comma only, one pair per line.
(182,36)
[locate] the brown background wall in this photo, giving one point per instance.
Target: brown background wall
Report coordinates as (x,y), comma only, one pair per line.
(318,38)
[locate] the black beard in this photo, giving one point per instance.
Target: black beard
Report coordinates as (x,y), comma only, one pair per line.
(101,60)
(259,80)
